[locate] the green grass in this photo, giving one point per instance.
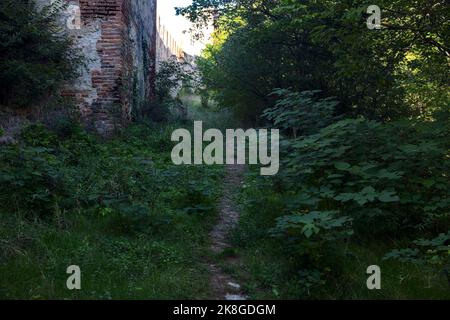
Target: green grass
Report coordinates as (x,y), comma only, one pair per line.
(270,275)
(136,224)
(113,266)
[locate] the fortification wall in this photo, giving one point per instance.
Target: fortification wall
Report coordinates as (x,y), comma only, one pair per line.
(166,44)
(118,40)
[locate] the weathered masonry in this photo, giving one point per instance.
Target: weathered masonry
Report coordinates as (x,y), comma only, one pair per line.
(167,46)
(118,40)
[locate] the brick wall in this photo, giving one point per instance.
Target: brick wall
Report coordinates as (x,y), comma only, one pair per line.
(118,40)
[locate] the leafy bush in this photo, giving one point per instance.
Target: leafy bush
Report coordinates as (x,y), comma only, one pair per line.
(129,181)
(372,172)
(171,77)
(38,135)
(301,113)
(348,180)
(312,224)
(30,179)
(66,127)
(312,239)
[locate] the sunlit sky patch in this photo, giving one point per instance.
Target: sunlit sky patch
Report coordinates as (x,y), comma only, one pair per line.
(177,24)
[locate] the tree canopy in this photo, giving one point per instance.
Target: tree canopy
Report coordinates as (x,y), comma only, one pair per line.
(400,70)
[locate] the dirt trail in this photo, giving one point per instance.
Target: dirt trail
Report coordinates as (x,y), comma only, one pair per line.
(222,284)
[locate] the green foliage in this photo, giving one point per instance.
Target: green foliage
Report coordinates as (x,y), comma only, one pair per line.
(45,174)
(432,254)
(344,181)
(357,167)
(384,74)
(310,239)
(170,78)
(66,127)
(303,113)
(117,208)
(38,135)
(365,157)
(312,224)
(36,58)
(30,179)
(364,117)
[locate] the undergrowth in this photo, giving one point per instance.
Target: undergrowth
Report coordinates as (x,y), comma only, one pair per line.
(135,224)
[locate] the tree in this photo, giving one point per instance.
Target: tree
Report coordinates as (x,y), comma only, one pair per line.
(36,57)
(400,70)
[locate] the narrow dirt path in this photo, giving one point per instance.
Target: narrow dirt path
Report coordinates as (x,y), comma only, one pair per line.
(222,284)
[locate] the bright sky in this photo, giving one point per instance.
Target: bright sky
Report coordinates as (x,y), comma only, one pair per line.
(177,24)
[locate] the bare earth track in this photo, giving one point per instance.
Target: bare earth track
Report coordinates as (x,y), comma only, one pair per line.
(223,286)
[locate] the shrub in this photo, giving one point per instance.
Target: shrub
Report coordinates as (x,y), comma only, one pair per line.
(129,181)
(38,135)
(172,76)
(342,180)
(30,179)
(389,176)
(36,58)
(311,237)
(301,113)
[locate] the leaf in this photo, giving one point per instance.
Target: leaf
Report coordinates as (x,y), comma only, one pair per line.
(388,196)
(345,197)
(428,183)
(310,229)
(343,166)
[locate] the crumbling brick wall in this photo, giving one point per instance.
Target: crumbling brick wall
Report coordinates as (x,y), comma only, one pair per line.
(118,40)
